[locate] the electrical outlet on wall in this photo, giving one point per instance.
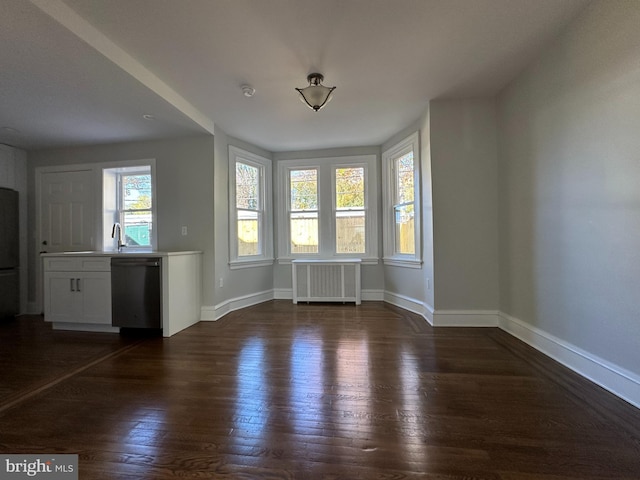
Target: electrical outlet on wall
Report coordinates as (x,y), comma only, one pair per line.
(221,282)
(184,231)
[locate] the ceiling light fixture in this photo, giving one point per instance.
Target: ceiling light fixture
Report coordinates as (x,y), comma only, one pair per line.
(315,95)
(248,91)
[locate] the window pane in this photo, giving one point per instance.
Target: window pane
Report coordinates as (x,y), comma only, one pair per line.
(350,187)
(405,233)
(137,228)
(404,178)
(350,232)
(247,186)
(304,232)
(136,192)
(248,233)
(304,189)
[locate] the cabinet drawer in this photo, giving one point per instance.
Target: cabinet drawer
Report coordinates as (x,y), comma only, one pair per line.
(77,264)
(95,264)
(61,264)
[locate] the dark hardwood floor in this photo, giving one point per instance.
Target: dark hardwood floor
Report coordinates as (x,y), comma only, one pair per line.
(32,355)
(329,392)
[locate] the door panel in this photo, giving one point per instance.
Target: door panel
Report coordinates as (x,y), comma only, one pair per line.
(67,202)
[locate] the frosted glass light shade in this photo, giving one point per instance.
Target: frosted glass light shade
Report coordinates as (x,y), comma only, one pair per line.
(315,95)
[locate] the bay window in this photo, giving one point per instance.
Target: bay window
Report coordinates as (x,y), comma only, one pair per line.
(327,208)
(401,195)
(250,215)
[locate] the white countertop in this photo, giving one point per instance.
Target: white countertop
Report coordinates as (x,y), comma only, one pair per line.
(124,253)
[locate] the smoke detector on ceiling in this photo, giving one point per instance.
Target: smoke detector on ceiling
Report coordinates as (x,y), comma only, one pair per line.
(248,91)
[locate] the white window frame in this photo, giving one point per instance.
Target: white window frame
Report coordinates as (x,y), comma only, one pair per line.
(327,207)
(111,200)
(389,158)
(122,211)
(265,234)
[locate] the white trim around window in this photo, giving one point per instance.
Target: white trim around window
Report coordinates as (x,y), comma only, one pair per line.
(255,209)
(402,236)
(323,207)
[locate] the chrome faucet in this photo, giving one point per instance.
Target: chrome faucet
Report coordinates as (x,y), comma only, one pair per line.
(116,226)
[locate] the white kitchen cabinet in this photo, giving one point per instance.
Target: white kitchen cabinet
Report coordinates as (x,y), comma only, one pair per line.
(77,290)
(77,293)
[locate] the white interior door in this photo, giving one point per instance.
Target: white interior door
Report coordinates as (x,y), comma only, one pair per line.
(66,210)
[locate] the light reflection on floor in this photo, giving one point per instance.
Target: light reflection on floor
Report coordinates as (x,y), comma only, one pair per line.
(412,402)
(352,399)
(252,409)
(148,429)
(307,382)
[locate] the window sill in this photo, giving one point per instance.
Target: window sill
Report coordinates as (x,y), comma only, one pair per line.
(364,260)
(402,262)
(240,264)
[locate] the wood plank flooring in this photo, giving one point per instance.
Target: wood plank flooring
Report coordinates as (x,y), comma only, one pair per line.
(33,355)
(330,392)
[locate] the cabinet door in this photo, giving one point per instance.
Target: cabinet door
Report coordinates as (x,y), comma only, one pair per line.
(60,297)
(95,295)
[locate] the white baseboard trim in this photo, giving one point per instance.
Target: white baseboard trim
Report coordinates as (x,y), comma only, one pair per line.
(84,327)
(465,318)
(209,313)
(611,377)
(405,302)
(373,295)
(282,293)
(428,312)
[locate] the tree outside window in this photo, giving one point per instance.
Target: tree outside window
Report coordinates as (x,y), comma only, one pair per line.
(303,223)
(401,197)
(136,213)
(404,205)
(328,208)
(350,210)
(248,211)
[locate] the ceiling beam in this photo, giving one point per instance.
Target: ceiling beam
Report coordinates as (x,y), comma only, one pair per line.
(69,18)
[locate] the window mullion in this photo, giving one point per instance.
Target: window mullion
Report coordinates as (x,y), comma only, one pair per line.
(326,205)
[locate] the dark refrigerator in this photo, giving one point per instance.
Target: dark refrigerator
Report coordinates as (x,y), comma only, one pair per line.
(9,253)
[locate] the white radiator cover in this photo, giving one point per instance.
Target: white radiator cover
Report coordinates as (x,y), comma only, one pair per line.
(326,280)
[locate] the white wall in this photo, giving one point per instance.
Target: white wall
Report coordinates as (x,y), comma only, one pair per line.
(410,287)
(184,189)
(424,126)
(236,283)
(465,219)
(569,160)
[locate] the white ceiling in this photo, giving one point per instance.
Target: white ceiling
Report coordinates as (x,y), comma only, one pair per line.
(86,71)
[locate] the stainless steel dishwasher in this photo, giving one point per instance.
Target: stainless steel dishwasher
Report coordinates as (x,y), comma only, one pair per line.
(136,292)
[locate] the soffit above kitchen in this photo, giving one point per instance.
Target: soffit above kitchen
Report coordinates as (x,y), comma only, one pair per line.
(79,72)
